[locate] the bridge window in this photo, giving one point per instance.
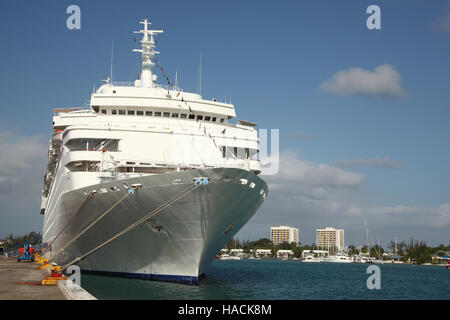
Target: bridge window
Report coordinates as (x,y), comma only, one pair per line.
(174,115)
(122,112)
(114,111)
(166,114)
(140,113)
(131,112)
(183,116)
(93,144)
(207,118)
(149,113)
(157,114)
(192,116)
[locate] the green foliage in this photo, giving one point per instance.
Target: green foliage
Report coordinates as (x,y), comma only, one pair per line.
(352,251)
(414,251)
(298,251)
(12,241)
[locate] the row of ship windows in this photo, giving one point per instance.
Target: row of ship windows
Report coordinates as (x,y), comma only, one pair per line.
(80,144)
(163,114)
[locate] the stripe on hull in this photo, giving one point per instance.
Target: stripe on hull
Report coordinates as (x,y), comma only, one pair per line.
(145,276)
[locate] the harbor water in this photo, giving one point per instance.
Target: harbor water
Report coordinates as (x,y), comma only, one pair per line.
(285,280)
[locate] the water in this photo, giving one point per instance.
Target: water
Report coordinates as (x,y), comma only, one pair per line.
(287,280)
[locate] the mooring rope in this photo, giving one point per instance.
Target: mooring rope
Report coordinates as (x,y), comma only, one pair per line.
(135,224)
(85,201)
(92,224)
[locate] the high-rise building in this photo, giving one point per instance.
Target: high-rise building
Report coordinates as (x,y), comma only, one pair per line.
(330,239)
(284,234)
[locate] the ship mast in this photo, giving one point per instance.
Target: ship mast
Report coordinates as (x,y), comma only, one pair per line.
(148,44)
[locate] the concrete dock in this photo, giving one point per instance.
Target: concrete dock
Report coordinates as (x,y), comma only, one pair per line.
(19,281)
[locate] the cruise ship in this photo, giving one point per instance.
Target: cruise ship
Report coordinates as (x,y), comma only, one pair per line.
(149,181)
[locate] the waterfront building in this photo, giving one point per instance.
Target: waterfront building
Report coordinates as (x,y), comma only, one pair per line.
(261,253)
(237,252)
(285,254)
(331,239)
(282,234)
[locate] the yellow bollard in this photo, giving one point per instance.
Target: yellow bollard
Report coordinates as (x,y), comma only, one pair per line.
(45,266)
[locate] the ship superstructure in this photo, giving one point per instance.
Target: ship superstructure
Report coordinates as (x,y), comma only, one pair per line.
(138,146)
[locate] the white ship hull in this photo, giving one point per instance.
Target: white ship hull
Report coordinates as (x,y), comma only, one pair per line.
(177,244)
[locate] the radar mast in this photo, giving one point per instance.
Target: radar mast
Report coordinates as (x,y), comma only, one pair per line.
(148,52)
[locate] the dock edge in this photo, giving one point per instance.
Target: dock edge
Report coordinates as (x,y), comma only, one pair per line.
(73,291)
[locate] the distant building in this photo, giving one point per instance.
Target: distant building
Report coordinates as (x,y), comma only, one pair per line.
(441,257)
(282,234)
(237,252)
(330,238)
(262,253)
(285,254)
(314,253)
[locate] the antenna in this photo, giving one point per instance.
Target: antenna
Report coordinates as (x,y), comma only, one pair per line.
(199,84)
(176,80)
(367,238)
(112,56)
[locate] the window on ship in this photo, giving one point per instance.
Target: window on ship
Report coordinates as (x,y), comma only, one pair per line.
(93,144)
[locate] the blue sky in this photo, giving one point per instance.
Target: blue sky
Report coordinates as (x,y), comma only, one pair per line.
(273,59)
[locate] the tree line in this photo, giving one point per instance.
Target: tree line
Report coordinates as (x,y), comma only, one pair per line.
(11,241)
(414,251)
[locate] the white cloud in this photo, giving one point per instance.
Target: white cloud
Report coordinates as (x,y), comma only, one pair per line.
(435,216)
(371,162)
(442,23)
(308,195)
(22,169)
(295,170)
(384,81)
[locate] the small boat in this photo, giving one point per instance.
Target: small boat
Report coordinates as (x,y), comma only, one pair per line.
(311,259)
(339,258)
(228,257)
